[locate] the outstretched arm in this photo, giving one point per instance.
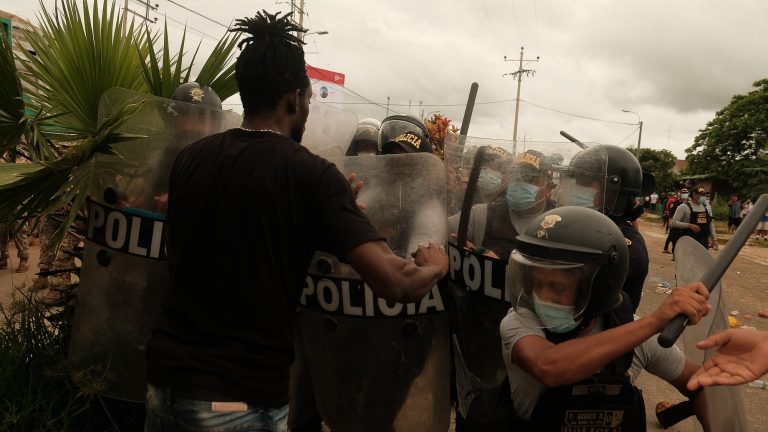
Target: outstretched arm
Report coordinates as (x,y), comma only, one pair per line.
(742,356)
(395,278)
(578,358)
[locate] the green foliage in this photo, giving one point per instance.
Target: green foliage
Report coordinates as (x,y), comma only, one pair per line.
(734,144)
(77,58)
(37,391)
(162,73)
(660,164)
(218,70)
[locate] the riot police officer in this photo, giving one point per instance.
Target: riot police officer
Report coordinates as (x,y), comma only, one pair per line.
(570,319)
(478,297)
(694,219)
(608,178)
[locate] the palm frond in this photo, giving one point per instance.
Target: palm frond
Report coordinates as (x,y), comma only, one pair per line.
(77,58)
(218,70)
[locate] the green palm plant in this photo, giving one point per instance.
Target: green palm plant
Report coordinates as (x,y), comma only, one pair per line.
(77,57)
(164,72)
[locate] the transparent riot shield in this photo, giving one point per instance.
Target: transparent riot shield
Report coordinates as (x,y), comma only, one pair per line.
(725,409)
(363,363)
(501,193)
(124,272)
(329,130)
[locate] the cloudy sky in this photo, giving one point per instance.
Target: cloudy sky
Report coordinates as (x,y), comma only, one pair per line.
(674,63)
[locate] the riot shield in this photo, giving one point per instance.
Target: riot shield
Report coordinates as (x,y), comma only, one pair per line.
(125,272)
(725,409)
(329,130)
(363,363)
(506,193)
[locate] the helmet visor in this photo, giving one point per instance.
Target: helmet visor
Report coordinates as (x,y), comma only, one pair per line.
(558,292)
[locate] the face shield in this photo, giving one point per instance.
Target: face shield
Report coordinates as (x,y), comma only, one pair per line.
(584,182)
(558,292)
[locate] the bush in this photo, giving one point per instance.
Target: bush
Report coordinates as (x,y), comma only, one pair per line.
(38,391)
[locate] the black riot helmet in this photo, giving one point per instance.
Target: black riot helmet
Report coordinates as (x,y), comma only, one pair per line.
(194,93)
(575,241)
(618,174)
(405,132)
(366,139)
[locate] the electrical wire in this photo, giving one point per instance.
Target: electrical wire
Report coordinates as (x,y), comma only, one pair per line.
(625,138)
(197,13)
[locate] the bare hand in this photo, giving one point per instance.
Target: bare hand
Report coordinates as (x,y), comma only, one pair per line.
(742,356)
(714,245)
(695,228)
(689,300)
(356,189)
(432,256)
(161,203)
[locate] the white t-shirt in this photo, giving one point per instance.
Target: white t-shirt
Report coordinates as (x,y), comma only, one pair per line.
(665,363)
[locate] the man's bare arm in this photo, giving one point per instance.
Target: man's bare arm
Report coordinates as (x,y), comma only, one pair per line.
(395,278)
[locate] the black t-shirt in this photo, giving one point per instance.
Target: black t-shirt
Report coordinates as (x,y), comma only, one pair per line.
(246,212)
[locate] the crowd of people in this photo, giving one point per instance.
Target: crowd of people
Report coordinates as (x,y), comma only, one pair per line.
(551,342)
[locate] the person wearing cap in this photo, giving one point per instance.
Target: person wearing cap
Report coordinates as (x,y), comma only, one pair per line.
(694,219)
(520,195)
(671,207)
(406,135)
(571,344)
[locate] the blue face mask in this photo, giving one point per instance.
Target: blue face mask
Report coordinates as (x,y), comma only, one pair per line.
(583,196)
(555,317)
(488,182)
(521,196)
(704,200)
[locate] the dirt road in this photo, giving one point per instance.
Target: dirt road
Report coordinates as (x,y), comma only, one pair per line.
(745,290)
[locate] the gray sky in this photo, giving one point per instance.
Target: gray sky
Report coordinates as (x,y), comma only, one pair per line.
(675,63)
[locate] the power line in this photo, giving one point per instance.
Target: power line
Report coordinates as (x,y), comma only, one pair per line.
(198,14)
(625,138)
(191,28)
(577,115)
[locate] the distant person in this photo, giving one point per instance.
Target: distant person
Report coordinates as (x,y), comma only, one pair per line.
(20,238)
(762,227)
(734,213)
(694,219)
(674,233)
(654,200)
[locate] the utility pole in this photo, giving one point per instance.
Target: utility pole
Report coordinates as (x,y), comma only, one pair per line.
(298,16)
(518,75)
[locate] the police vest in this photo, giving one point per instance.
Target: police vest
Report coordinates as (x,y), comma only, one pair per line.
(604,402)
(702,219)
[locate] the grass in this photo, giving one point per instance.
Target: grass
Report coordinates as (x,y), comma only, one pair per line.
(38,389)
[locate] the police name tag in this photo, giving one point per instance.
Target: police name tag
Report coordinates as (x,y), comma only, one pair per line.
(133,231)
(477,273)
(351,297)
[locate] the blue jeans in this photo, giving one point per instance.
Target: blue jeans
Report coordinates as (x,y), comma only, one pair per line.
(166,412)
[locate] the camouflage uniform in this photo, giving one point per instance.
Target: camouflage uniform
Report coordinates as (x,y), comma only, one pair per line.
(51,259)
(20,238)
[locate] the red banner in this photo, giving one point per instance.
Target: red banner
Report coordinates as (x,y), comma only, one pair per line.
(315,73)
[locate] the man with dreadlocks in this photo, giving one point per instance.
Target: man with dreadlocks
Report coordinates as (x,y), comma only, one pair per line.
(220,355)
